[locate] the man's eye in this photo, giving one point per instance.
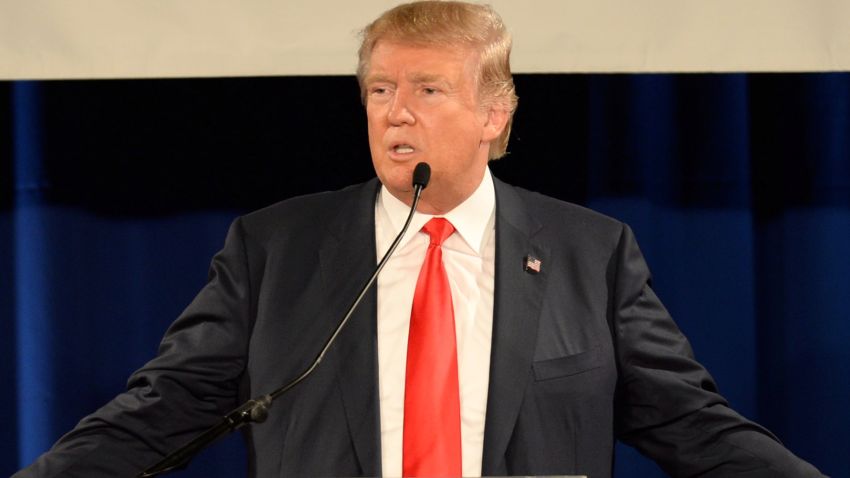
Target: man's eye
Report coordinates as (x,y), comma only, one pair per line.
(429,91)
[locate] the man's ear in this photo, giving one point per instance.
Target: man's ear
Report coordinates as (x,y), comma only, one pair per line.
(497,118)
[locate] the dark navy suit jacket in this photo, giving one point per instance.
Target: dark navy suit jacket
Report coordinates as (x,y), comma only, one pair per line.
(583,353)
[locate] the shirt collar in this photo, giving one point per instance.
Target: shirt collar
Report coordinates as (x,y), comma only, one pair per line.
(471,218)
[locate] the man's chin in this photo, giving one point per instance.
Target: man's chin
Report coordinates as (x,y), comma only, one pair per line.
(399,177)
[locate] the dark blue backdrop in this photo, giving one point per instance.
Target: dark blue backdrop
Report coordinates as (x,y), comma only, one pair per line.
(115,194)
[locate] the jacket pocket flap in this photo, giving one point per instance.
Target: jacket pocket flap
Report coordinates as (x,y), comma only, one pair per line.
(567,365)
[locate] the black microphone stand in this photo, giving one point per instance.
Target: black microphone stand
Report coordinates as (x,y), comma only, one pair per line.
(256,410)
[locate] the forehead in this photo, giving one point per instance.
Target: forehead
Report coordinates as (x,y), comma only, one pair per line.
(394,59)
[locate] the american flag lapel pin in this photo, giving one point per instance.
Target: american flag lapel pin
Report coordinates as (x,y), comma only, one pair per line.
(532,265)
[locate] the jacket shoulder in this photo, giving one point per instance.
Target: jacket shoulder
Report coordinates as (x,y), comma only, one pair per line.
(312,211)
(558,214)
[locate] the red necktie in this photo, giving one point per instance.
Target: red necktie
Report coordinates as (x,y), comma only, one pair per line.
(431,399)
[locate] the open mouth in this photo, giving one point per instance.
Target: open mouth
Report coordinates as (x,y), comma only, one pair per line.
(402,149)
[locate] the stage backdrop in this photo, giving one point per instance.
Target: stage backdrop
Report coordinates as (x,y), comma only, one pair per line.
(211,38)
(115,194)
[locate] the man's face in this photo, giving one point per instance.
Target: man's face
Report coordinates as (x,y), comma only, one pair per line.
(422,105)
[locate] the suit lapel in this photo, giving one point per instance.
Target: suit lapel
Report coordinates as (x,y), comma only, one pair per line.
(347,258)
(518,298)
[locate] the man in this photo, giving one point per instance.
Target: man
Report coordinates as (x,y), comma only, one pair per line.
(560,344)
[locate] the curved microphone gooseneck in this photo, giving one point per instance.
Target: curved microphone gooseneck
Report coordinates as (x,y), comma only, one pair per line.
(256,410)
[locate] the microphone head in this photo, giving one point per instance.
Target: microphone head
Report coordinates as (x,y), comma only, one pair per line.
(421,175)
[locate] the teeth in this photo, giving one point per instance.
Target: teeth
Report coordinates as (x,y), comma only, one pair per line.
(403,149)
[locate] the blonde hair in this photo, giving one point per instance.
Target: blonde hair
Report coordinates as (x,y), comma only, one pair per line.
(438,23)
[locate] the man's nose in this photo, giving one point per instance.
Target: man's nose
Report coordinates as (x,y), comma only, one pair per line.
(399,112)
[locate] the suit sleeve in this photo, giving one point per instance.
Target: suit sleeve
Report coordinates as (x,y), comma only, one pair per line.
(191,383)
(668,406)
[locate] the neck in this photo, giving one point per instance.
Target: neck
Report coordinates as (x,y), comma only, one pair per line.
(435,208)
(443,196)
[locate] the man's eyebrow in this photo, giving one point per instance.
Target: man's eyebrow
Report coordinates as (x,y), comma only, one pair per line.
(430,78)
(377,78)
(417,78)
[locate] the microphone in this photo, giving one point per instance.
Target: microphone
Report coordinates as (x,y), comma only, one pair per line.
(421,177)
(256,410)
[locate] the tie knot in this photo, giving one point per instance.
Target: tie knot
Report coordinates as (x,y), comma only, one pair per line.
(439,228)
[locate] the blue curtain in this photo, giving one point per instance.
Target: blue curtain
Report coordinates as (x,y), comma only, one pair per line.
(115,194)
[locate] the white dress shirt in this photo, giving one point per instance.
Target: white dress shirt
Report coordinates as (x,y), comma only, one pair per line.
(469,259)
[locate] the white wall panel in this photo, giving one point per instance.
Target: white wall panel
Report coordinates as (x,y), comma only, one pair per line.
(176,38)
